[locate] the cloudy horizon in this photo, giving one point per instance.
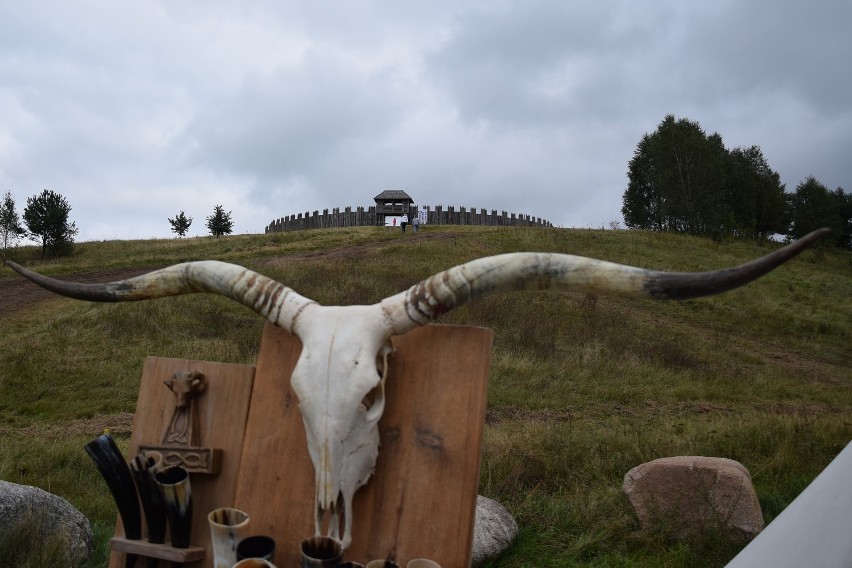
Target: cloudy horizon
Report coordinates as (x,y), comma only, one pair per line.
(134,112)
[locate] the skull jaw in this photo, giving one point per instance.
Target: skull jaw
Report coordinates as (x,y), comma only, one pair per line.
(334,495)
(344,466)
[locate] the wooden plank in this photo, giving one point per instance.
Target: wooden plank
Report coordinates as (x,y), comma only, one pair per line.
(276,482)
(161,551)
(421,500)
(222,414)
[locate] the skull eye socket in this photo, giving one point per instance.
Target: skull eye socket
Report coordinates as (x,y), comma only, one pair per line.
(374,397)
(374,401)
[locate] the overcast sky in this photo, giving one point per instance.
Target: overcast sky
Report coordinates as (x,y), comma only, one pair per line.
(136,110)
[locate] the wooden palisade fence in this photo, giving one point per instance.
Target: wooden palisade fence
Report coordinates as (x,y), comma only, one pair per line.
(368,217)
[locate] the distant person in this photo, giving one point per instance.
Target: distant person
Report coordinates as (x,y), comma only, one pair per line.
(416,223)
(404,222)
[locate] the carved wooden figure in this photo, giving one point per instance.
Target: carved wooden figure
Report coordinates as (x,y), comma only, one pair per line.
(182,430)
(182,440)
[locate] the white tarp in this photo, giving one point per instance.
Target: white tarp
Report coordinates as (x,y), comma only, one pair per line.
(814,530)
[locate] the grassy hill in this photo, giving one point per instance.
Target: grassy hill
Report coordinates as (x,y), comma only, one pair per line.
(582,388)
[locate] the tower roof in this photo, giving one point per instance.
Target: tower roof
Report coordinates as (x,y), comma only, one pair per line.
(396,194)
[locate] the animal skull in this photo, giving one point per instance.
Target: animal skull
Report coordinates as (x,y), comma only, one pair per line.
(185,385)
(339,377)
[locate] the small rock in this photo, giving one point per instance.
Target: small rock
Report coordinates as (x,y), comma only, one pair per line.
(690,496)
(53,517)
(494,529)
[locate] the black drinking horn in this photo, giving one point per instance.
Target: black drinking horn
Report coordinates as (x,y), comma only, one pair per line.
(110,462)
(144,467)
(321,552)
(387,563)
(116,473)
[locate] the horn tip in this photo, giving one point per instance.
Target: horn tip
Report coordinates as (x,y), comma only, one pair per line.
(15,266)
(813,237)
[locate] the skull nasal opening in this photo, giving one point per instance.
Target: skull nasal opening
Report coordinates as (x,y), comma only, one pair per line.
(332,521)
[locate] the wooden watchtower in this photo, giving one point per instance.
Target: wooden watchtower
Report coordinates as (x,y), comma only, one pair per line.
(392,202)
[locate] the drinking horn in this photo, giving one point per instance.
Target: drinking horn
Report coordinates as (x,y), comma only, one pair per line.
(144,467)
(110,462)
(177,495)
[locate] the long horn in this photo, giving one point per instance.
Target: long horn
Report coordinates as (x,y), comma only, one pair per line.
(272,300)
(451,288)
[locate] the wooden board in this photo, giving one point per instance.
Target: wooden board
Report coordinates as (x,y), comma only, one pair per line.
(421,500)
(223,412)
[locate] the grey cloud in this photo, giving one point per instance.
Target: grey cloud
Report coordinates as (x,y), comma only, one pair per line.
(287,124)
(134,111)
(545,62)
(767,47)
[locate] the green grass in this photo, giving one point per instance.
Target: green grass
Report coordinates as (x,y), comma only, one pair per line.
(582,388)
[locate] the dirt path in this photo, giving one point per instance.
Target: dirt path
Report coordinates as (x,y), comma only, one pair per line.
(118,424)
(17,293)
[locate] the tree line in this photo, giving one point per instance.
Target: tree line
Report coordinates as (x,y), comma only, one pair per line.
(46,221)
(219,223)
(683,180)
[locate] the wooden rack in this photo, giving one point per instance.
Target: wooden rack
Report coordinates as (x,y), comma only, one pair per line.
(421,500)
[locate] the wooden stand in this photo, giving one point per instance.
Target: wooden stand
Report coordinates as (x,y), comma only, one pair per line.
(420,502)
(222,420)
(159,551)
